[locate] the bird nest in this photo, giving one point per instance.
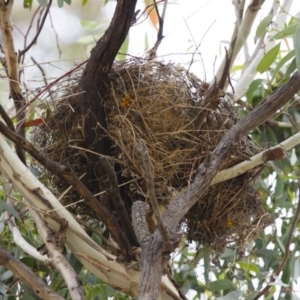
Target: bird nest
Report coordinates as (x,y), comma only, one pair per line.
(160,103)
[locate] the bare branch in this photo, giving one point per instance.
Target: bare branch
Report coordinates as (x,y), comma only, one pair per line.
(48,87)
(55,244)
(139,211)
(41,25)
(146,163)
(39,287)
(241,33)
(11,60)
(161,19)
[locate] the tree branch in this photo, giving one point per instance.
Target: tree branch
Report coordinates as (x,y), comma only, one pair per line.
(17,236)
(69,175)
(39,287)
(241,34)
(55,244)
(103,264)
(146,163)
(114,193)
(95,77)
(22,52)
(11,60)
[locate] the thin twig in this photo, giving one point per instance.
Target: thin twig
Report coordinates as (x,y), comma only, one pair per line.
(161,19)
(146,163)
(22,52)
(43,76)
(41,92)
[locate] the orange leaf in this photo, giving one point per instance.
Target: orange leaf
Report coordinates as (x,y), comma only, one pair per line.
(32,123)
(151,11)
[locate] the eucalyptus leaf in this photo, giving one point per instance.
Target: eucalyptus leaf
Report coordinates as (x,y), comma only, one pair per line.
(297,47)
(235,295)
(43,3)
(9,209)
(288,31)
(268,59)
(261,29)
(282,63)
(219,285)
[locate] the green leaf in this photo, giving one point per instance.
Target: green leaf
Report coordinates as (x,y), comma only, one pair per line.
(268,59)
(6,275)
(288,31)
(235,295)
(292,67)
(279,187)
(27,4)
(42,3)
(219,285)
(60,3)
(68,1)
(297,47)
(90,25)
(3,289)
(84,2)
(282,62)
(261,29)
(10,209)
(246,266)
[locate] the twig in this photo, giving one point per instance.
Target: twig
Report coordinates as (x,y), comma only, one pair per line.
(43,76)
(114,193)
(146,163)
(39,287)
(161,19)
(287,249)
(41,92)
(55,246)
(22,52)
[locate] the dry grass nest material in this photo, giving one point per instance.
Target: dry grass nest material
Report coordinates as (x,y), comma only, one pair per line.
(159,103)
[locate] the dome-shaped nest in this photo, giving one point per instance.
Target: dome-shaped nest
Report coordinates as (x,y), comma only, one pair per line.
(161,103)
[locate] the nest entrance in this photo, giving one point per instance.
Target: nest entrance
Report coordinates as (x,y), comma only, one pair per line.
(159,103)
